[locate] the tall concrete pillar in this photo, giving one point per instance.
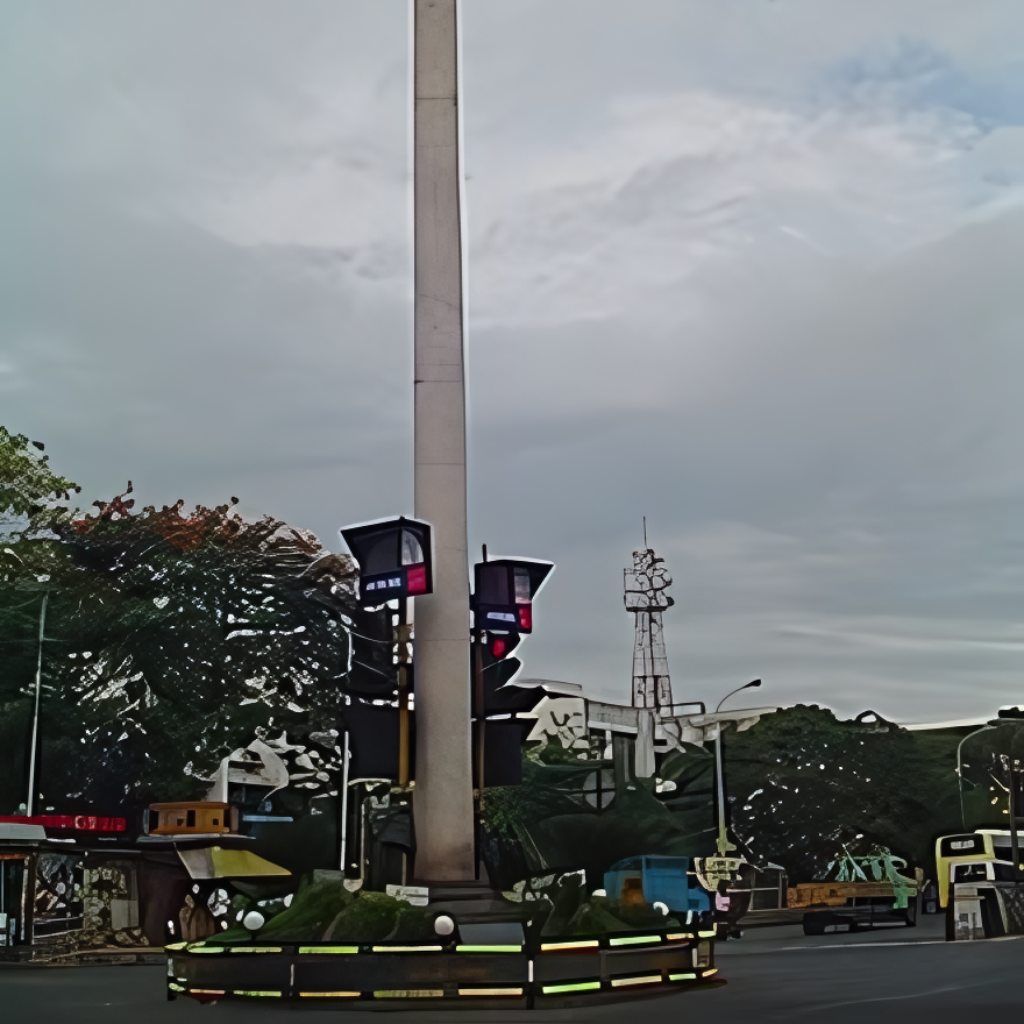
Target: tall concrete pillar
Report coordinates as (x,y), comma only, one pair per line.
(443,797)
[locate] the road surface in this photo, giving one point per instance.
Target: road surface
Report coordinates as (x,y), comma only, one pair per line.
(773,974)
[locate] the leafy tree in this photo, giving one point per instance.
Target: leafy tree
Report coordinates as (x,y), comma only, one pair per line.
(29,496)
(172,638)
(801,783)
(559,820)
(28,487)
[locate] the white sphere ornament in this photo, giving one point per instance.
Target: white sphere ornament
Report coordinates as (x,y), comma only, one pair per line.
(444,925)
(253,921)
(661,908)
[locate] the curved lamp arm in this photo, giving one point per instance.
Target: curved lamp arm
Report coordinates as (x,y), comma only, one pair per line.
(745,686)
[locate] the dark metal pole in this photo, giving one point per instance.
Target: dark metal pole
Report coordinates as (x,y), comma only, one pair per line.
(478,710)
(34,743)
(404,631)
(1014,838)
(960,771)
(479,639)
(722,843)
(481,725)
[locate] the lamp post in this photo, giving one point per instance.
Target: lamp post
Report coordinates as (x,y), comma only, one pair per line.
(960,773)
(1014,837)
(35,715)
(1015,720)
(723,843)
(1013,786)
(34,741)
(745,686)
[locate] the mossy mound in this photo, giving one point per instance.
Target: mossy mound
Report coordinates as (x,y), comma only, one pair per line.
(574,912)
(375,917)
(323,910)
(600,916)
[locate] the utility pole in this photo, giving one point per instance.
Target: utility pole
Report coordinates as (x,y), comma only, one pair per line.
(30,801)
(443,794)
(723,845)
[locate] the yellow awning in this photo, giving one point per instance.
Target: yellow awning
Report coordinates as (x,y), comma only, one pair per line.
(214,862)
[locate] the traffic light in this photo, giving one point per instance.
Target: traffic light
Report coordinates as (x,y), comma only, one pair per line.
(503,593)
(500,759)
(497,663)
(394,556)
(498,668)
(500,646)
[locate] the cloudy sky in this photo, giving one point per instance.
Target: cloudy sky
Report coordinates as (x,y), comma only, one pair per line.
(751,268)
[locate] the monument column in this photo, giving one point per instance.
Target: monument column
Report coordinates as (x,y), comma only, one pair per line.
(443,795)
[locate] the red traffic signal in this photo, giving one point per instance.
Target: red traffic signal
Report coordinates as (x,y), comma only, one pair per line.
(500,646)
(503,593)
(497,663)
(394,556)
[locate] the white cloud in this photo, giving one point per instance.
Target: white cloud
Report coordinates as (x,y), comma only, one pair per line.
(748,268)
(705,184)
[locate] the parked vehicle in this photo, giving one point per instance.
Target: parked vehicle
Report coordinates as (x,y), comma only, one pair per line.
(868,890)
(854,905)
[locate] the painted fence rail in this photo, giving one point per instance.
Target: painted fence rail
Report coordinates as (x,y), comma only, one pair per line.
(566,972)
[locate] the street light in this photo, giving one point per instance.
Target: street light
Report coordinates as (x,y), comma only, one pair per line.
(960,770)
(34,742)
(745,686)
(1012,716)
(723,842)
(1007,716)
(35,715)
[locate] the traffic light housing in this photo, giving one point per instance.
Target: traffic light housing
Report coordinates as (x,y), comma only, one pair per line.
(395,558)
(503,593)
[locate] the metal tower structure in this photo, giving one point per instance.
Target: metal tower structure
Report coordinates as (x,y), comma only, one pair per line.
(646,597)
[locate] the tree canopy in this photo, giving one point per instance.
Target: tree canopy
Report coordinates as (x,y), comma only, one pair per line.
(172,636)
(176,636)
(29,489)
(801,783)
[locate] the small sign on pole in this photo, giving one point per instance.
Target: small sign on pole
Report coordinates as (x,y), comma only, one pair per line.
(417,895)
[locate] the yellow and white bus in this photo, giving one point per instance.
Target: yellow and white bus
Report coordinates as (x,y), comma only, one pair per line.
(983,855)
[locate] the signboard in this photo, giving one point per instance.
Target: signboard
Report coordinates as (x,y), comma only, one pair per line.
(418,896)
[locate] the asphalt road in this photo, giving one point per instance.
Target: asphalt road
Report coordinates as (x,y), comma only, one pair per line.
(773,974)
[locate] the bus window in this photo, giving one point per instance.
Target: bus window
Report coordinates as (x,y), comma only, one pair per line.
(972,872)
